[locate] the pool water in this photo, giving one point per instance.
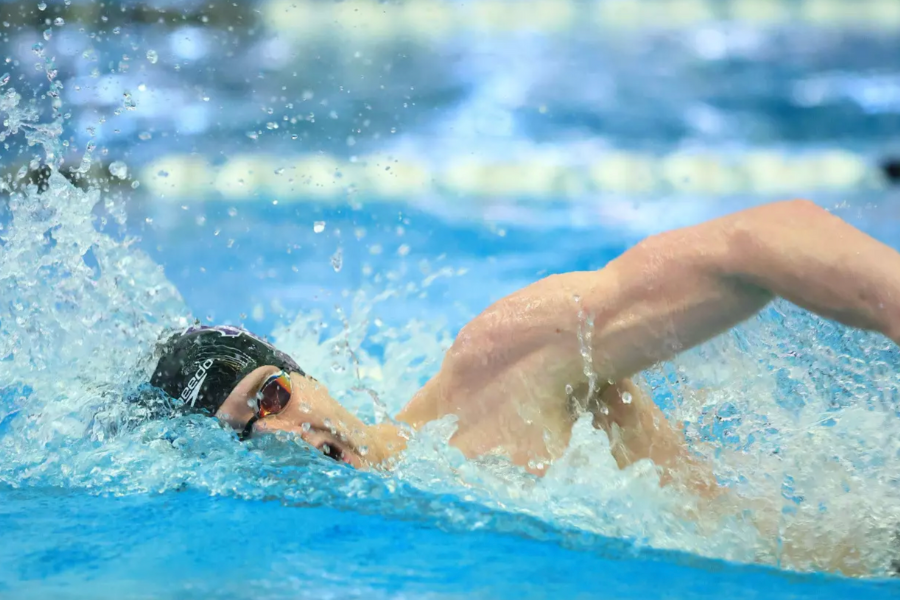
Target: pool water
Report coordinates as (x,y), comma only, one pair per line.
(512,155)
(189,545)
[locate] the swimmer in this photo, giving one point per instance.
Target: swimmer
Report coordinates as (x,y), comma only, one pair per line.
(514,376)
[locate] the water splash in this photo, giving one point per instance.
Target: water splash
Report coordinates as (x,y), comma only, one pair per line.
(71,299)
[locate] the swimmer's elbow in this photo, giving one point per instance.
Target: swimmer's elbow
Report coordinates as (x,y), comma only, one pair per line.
(766,238)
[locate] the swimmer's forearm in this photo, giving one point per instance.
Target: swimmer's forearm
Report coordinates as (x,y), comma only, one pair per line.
(806,255)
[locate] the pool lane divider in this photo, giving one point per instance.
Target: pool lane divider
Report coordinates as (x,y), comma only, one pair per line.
(432,21)
(532,174)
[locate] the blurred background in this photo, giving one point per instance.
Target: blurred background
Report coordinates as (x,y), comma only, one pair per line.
(504,125)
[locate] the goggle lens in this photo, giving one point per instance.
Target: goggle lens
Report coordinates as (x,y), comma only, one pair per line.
(274,394)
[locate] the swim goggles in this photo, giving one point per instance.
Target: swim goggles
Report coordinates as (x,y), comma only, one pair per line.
(273,396)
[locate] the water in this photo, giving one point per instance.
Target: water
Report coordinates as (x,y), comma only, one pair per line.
(367,293)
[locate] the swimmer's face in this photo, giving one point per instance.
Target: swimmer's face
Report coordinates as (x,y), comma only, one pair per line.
(311,413)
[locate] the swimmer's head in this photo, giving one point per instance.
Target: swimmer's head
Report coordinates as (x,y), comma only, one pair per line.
(200,366)
(244,381)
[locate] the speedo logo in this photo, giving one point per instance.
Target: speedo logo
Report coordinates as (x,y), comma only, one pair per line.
(192,391)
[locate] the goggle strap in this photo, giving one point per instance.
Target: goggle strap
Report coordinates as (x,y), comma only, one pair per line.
(248,428)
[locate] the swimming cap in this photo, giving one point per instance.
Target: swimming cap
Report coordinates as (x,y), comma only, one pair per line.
(201,365)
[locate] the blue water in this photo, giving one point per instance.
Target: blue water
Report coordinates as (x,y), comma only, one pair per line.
(188,545)
(180,510)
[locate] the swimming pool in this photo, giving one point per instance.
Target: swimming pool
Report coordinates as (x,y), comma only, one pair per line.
(463,161)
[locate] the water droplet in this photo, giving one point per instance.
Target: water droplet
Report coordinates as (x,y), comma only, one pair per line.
(337,261)
(59,21)
(319,226)
(271,125)
(48,33)
(145,135)
(304,407)
(128,101)
(337,368)
(363,450)
(327,423)
(626,397)
(38,49)
(306,427)
(232,212)
(403,250)
(42,6)
(152,56)
(118,169)
(279,170)
(604,409)
(569,389)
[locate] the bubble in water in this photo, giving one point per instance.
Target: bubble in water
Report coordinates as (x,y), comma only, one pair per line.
(626,397)
(319,226)
(4,79)
(337,260)
(152,56)
(135,184)
(59,21)
(42,6)
(118,169)
(145,135)
(569,389)
(128,101)
(48,33)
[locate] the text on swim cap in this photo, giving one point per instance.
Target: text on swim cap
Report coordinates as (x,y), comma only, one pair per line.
(192,391)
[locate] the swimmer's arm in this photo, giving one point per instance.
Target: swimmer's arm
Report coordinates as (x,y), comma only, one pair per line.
(678,289)
(667,294)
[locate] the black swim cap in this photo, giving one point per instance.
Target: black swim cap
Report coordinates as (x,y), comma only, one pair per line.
(201,365)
